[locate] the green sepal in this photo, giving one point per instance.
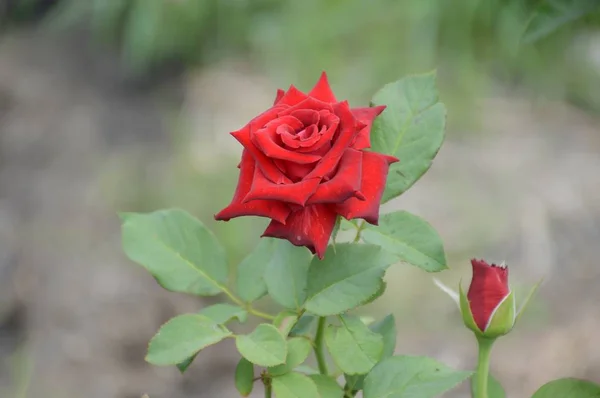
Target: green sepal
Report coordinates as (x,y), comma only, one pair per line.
(527,299)
(502,319)
(465,310)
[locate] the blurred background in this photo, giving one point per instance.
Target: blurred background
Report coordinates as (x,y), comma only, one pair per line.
(126,105)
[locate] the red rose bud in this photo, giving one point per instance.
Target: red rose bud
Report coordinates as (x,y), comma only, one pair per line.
(489,306)
(304,163)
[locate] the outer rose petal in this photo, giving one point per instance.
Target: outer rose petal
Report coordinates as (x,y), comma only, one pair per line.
(366,116)
(322,90)
(489,286)
(345,183)
(279,95)
(296,193)
(263,208)
(310,227)
(374,173)
(346,133)
(292,97)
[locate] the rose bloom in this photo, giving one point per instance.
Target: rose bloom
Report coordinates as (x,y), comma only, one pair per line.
(489,287)
(304,163)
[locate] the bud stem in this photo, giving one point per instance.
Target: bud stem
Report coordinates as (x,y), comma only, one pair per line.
(483,367)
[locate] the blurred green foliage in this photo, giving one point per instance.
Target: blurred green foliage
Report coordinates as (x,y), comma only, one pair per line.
(474,43)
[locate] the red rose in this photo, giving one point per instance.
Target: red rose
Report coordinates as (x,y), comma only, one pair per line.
(489,287)
(304,164)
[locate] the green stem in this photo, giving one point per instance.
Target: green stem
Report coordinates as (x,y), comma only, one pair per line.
(268,390)
(358,231)
(247,306)
(320,347)
(483,367)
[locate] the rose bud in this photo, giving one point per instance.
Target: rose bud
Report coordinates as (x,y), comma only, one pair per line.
(488,308)
(304,164)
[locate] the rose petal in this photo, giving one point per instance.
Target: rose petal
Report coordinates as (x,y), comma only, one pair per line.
(265,164)
(297,193)
(366,116)
(306,116)
(326,134)
(374,173)
(309,103)
(310,227)
(262,208)
(279,95)
(294,171)
(265,140)
(292,97)
(347,131)
(345,183)
(322,90)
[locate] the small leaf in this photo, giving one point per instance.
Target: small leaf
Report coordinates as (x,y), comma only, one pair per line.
(411,128)
(178,250)
(346,278)
(327,386)
(298,350)
(244,377)
(308,370)
(567,388)
(294,385)
(410,238)
(354,348)
(223,313)
(387,329)
(303,326)
(411,377)
(527,299)
(182,337)
(285,321)
(250,284)
(265,346)
(183,365)
(285,274)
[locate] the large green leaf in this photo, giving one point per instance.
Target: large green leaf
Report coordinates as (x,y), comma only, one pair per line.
(410,238)
(346,278)
(354,347)
(411,377)
(294,385)
(298,350)
(568,388)
(551,15)
(327,386)
(223,313)
(250,284)
(178,250)
(411,128)
(182,337)
(285,274)
(244,377)
(265,346)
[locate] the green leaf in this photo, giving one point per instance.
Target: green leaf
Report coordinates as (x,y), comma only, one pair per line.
(183,365)
(182,337)
(387,329)
(411,377)
(303,326)
(250,284)
(294,385)
(265,346)
(346,278)
(411,128)
(298,350)
(223,313)
(551,15)
(244,377)
(327,386)
(410,238)
(178,250)
(285,274)
(354,348)
(568,387)
(285,321)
